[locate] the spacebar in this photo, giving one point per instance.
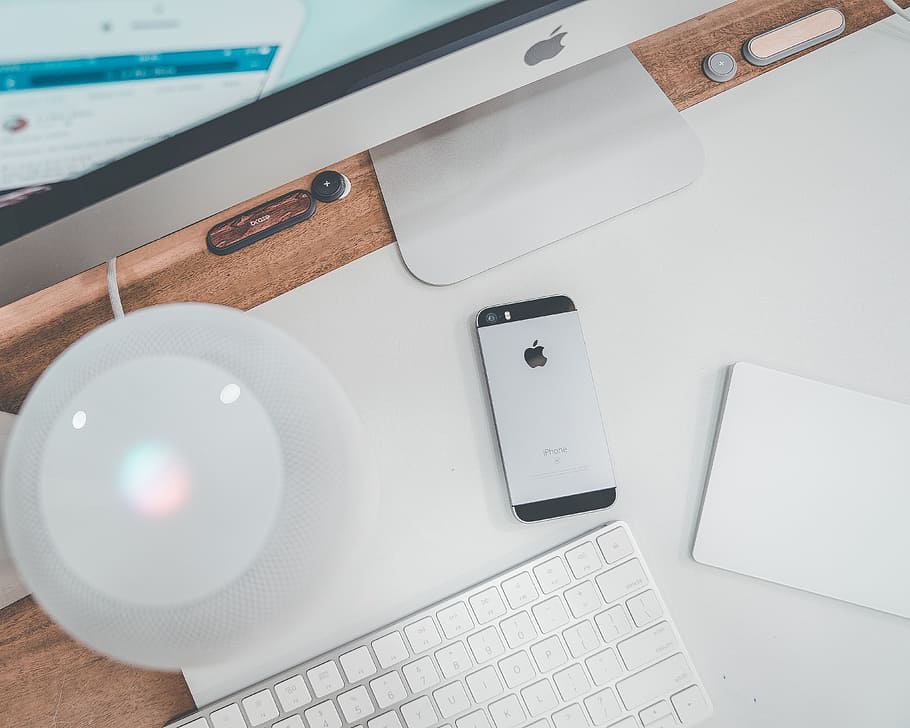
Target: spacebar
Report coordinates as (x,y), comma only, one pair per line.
(656,681)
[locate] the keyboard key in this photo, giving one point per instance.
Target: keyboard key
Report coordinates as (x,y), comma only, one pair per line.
(453,660)
(571,717)
(581,639)
(572,682)
(551,575)
(484,684)
(656,681)
(487,605)
(421,675)
(451,699)
(644,608)
(292,694)
(615,545)
(422,635)
(198,723)
(486,644)
(549,654)
(295,721)
(390,650)
(625,723)
(690,705)
(603,707)
(260,708)
(539,698)
(517,670)
(388,689)
(550,615)
(542,723)
(583,599)
(323,715)
(604,667)
(477,719)
(386,720)
(228,717)
(325,679)
(518,630)
(357,664)
(455,620)
(614,623)
(583,560)
(653,713)
(507,713)
(356,704)
(647,646)
(419,713)
(520,590)
(668,721)
(621,580)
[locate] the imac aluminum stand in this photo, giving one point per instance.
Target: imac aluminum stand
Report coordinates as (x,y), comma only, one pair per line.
(533,166)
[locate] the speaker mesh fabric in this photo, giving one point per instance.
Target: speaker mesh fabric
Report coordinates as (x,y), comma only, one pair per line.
(321,443)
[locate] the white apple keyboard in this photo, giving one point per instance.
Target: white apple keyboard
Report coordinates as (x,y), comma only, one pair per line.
(577,637)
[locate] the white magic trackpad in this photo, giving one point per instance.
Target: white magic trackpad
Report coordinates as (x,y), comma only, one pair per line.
(810,487)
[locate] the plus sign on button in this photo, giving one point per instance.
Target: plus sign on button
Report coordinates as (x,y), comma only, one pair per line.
(329,186)
(719,67)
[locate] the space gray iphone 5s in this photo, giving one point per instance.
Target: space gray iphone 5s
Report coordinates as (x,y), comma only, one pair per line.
(551,433)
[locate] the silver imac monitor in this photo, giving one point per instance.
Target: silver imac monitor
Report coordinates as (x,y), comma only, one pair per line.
(124,120)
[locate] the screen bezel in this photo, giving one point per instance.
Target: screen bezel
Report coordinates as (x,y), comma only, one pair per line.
(71,196)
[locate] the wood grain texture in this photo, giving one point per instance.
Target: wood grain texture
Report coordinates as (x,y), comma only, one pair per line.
(34,330)
(261,221)
(49,681)
(180,268)
(45,678)
(673,57)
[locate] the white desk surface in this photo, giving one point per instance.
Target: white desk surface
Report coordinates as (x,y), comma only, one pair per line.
(791,251)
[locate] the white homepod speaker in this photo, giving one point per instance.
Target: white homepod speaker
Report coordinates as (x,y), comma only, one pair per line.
(178,480)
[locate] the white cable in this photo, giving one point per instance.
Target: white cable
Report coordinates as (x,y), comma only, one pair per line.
(898,10)
(113,291)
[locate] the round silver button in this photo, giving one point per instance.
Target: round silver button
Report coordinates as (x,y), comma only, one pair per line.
(719,66)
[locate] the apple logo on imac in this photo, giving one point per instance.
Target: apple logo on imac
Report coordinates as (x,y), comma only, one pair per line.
(534,356)
(546,49)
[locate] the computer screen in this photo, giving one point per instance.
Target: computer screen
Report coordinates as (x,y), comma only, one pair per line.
(85,82)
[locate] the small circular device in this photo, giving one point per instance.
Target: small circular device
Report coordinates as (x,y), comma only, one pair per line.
(177,480)
(330,185)
(719,66)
